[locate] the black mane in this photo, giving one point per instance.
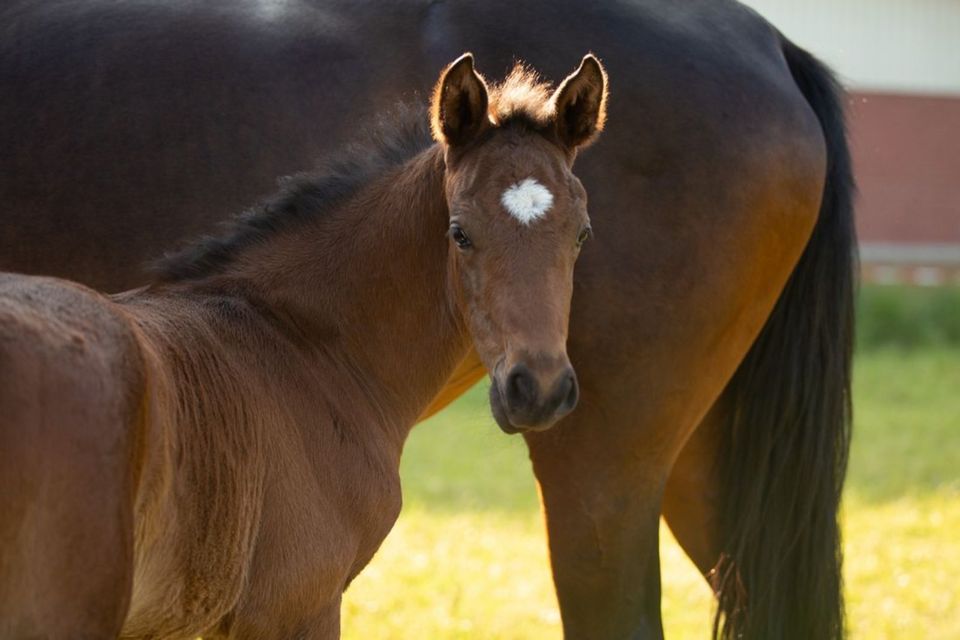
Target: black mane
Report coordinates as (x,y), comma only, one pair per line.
(389,142)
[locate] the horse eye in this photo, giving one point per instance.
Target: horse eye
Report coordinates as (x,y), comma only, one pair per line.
(585,234)
(459,236)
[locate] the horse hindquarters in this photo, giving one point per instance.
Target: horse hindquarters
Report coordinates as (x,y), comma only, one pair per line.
(67,444)
(786,443)
(781,431)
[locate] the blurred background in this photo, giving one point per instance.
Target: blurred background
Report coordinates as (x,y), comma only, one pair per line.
(470,549)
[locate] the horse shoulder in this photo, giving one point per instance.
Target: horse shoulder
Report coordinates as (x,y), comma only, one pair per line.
(202,488)
(331,491)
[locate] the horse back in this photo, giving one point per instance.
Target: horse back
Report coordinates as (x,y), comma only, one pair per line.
(71,384)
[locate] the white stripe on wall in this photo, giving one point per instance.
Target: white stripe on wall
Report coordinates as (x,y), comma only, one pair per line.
(898,46)
(924,254)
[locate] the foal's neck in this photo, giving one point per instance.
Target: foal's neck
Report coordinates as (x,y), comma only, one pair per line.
(368,286)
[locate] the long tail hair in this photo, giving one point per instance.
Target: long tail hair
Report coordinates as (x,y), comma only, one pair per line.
(785,448)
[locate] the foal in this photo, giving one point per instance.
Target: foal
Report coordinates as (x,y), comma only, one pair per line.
(218,453)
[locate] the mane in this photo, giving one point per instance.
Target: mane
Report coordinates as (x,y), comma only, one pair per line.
(392,140)
(523,97)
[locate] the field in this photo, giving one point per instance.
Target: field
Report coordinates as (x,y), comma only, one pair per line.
(468,558)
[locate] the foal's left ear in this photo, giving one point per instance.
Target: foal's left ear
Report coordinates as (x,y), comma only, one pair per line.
(459,107)
(580,104)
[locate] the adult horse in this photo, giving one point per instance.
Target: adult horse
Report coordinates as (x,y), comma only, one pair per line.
(218,453)
(711,323)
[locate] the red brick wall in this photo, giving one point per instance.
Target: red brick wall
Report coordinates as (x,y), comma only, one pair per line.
(906,152)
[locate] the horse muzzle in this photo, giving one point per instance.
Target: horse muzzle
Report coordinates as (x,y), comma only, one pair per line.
(523,401)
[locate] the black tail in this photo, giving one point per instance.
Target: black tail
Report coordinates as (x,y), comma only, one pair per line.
(786,445)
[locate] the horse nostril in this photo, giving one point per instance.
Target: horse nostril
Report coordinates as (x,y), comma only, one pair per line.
(521,388)
(571,393)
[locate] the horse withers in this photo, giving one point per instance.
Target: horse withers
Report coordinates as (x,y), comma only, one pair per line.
(217,453)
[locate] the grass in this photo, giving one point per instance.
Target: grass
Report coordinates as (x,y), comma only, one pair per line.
(468,558)
(908,317)
(902,506)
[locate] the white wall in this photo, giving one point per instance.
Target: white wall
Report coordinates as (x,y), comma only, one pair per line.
(881,45)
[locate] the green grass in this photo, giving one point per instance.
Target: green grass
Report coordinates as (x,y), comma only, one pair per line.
(908,316)
(902,505)
(468,558)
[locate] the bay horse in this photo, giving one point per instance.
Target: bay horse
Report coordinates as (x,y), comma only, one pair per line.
(711,323)
(218,452)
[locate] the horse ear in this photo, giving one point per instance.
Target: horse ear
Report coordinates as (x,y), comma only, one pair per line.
(459,106)
(580,104)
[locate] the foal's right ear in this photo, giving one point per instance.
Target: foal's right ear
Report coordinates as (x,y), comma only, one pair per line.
(459,107)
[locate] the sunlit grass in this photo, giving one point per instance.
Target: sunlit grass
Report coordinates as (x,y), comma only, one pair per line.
(902,511)
(468,557)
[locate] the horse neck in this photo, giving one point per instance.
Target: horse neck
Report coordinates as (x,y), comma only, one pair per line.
(367,286)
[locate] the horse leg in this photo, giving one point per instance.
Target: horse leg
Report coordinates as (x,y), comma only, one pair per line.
(603,522)
(691,501)
(321,624)
(324,626)
(602,504)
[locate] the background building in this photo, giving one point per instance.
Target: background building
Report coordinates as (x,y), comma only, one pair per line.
(900,59)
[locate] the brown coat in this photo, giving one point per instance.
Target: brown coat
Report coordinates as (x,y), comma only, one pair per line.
(218,453)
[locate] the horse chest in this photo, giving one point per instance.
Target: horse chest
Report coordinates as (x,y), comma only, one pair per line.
(376,513)
(326,511)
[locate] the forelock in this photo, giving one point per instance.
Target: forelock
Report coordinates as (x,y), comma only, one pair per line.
(522,96)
